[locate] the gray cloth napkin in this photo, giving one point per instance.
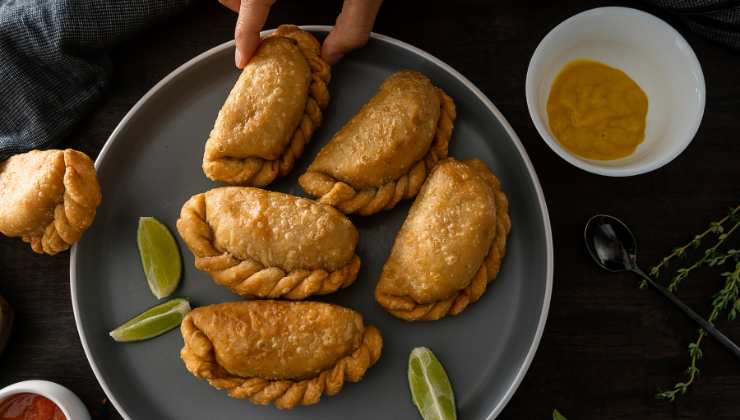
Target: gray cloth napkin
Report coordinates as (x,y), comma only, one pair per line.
(718,20)
(54,64)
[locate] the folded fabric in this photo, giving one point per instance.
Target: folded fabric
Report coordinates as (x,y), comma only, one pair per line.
(718,20)
(54,62)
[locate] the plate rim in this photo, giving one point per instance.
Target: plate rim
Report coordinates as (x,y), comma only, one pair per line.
(549,264)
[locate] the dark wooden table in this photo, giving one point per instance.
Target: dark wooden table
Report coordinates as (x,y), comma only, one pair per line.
(607,347)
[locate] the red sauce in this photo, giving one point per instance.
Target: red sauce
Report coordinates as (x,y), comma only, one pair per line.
(28,406)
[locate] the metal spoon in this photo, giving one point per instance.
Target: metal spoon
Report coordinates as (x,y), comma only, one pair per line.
(612,245)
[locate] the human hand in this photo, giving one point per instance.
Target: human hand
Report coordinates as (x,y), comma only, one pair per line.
(350,31)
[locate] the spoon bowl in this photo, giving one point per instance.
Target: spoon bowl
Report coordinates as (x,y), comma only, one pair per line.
(610,243)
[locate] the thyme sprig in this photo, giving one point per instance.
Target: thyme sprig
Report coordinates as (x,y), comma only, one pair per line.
(728,297)
(710,255)
(720,259)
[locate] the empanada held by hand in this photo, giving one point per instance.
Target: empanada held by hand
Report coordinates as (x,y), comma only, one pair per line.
(450,246)
(278,352)
(48,198)
(383,154)
(269,244)
(271,112)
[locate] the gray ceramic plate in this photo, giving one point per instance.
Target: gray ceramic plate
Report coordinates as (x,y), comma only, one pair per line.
(151,165)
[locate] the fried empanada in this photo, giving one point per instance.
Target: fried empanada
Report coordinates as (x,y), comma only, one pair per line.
(383,154)
(48,198)
(272,111)
(450,246)
(269,244)
(278,352)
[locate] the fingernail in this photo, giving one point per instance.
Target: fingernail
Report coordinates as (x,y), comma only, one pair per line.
(238,59)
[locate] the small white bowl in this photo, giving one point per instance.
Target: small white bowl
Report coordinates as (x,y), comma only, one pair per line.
(653,54)
(65,399)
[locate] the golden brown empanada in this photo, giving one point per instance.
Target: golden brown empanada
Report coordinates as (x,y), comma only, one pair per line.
(272,111)
(450,246)
(383,154)
(48,198)
(269,244)
(284,353)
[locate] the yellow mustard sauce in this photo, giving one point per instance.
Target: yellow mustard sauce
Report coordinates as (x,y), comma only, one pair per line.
(596,111)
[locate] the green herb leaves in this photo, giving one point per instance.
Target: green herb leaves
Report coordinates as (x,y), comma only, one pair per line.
(727,299)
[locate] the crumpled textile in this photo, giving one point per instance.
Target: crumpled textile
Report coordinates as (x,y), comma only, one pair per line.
(717,20)
(54,63)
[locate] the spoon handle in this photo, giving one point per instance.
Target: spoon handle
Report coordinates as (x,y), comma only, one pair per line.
(709,328)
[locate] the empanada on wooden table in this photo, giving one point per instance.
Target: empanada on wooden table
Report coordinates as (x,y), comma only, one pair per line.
(272,111)
(48,198)
(450,246)
(278,352)
(384,153)
(268,244)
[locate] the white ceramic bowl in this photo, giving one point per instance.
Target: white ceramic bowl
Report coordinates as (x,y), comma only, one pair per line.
(653,54)
(67,401)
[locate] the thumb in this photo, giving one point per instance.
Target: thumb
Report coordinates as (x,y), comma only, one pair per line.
(351,30)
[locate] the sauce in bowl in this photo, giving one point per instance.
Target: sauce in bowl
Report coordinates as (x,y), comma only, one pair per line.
(27,406)
(596,111)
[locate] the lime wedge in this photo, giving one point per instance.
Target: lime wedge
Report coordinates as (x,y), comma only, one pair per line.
(431,391)
(153,322)
(159,256)
(557,416)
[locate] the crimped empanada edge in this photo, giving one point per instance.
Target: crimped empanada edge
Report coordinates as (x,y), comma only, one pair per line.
(197,354)
(407,309)
(250,277)
(368,201)
(257,171)
(76,212)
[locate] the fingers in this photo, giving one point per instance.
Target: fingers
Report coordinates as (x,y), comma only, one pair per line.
(231,4)
(252,17)
(352,28)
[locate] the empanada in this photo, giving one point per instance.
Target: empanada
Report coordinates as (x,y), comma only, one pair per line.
(272,111)
(450,246)
(48,198)
(278,352)
(269,244)
(383,154)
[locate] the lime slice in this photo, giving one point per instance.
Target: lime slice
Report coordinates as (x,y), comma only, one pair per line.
(159,256)
(430,388)
(557,416)
(155,321)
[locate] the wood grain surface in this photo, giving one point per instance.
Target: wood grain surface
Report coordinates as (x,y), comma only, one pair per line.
(607,347)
